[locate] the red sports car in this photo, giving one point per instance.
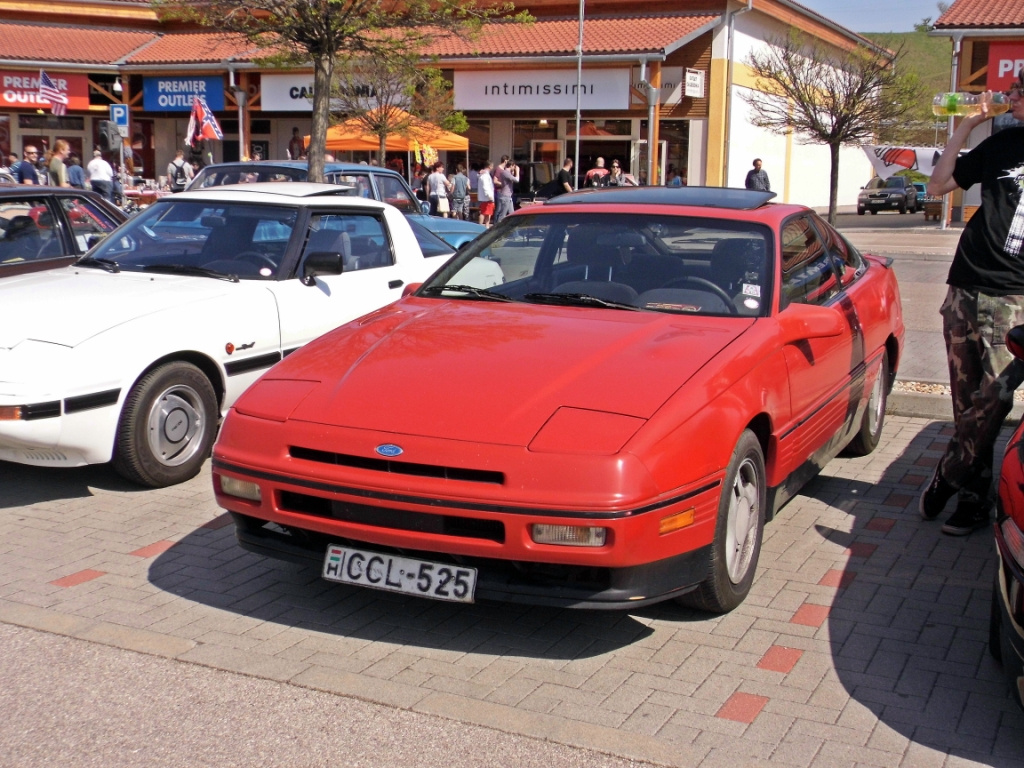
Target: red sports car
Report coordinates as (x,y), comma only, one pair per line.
(611,426)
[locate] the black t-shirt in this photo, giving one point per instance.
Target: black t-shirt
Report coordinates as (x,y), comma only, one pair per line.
(990,254)
(563,178)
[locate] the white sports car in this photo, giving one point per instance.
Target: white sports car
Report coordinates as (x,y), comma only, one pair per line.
(132,354)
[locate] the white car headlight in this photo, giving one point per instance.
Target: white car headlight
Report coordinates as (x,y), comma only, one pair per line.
(31,364)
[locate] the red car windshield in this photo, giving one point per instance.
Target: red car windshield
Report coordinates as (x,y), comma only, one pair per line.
(651,262)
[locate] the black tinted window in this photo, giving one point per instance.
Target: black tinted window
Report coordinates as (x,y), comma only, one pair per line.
(807,273)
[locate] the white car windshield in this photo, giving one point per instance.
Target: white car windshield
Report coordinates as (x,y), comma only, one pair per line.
(240,240)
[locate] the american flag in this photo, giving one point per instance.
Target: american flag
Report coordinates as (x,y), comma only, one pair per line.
(202,124)
(48,92)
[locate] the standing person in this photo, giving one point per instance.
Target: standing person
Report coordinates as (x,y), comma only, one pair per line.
(25,171)
(179,173)
(460,193)
(438,188)
(757,178)
(485,193)
(984,299)
(101,175)
(76,174)
(505,179)
(564,178)
(296,146)
(56,169)
(596,176)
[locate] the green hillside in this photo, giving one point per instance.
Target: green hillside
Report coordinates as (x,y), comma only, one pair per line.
(930,59)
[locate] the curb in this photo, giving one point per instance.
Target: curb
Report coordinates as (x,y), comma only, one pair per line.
(921,405)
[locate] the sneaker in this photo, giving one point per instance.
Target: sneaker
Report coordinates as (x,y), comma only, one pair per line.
(970,515)
(935,497)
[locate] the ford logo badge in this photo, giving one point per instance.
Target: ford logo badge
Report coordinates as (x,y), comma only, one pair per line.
(389,449)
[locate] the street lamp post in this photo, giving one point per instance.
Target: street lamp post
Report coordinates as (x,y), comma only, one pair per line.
(579,88)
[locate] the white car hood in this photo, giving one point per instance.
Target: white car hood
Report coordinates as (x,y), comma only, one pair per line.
(71,305)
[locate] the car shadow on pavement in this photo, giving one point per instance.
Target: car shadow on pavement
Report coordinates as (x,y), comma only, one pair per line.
(209,567)
(908,612)
(24,485)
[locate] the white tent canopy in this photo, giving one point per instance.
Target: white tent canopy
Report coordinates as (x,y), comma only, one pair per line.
(889,160)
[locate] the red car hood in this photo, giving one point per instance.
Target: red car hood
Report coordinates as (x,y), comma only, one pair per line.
(495,373)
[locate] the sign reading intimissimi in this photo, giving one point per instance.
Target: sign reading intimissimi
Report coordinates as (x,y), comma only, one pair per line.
(550,89)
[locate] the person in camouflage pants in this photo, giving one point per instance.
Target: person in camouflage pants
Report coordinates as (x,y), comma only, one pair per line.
(985,300)
(983,376)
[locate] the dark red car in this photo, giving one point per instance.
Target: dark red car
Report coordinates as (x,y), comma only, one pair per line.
(48,227)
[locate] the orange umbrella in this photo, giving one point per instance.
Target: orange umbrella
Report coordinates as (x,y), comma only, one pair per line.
(352,135)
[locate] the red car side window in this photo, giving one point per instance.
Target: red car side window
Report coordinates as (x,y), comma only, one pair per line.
(807,273)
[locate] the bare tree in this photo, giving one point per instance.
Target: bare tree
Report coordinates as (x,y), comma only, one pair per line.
(829,96)
(297,33)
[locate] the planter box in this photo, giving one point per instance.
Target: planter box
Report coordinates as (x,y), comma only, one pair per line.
(932,209)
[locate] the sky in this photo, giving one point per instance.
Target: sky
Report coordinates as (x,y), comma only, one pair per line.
(876,15)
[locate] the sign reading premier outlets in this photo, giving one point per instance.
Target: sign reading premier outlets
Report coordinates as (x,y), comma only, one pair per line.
(541,89)
(21,89)
(174,94)
(1005,60)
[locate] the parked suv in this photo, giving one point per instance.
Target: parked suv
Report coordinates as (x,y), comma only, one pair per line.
(922,193)
(895,193)
(365,181)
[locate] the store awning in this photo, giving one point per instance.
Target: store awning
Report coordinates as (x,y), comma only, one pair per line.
(352,135)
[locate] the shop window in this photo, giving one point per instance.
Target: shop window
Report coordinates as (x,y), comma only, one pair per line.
(525,132)
(600,128)
(51,122)
(676,135)
(479,135)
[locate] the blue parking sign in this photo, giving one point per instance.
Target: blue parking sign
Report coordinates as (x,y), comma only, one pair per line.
(119,114)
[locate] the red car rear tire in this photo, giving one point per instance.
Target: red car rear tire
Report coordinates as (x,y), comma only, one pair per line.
(870,432)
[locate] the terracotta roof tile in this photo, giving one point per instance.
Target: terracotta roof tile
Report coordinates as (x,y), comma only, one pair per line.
(601,35)
(194,48)
(554,36)
(982,14)
(58,43)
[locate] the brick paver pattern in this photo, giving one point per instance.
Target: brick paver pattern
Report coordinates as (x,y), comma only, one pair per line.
(863,641)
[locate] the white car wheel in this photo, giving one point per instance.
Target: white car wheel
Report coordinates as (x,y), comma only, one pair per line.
(167,426)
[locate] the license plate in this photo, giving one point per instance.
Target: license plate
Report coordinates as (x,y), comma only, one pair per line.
(439,581)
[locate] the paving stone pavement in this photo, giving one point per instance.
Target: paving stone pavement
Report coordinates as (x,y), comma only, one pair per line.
(862,643)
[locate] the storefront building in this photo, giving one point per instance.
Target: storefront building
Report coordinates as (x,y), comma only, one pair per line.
(666,76)
(988,52)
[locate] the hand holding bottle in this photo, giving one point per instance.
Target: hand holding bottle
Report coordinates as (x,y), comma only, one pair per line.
(987,104)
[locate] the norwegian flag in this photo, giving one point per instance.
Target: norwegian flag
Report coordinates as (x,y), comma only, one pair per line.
(202,124)
(49,92)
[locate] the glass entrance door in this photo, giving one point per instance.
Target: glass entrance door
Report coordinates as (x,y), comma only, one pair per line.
(546,156)
(640,161)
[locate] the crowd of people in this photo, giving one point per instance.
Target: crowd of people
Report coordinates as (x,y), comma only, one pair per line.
(448,194)
(497,186)
(59,167)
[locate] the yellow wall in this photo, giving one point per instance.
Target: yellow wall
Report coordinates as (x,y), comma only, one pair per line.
(718,94)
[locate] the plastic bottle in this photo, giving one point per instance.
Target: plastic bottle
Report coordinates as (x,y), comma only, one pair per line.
(967,104)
